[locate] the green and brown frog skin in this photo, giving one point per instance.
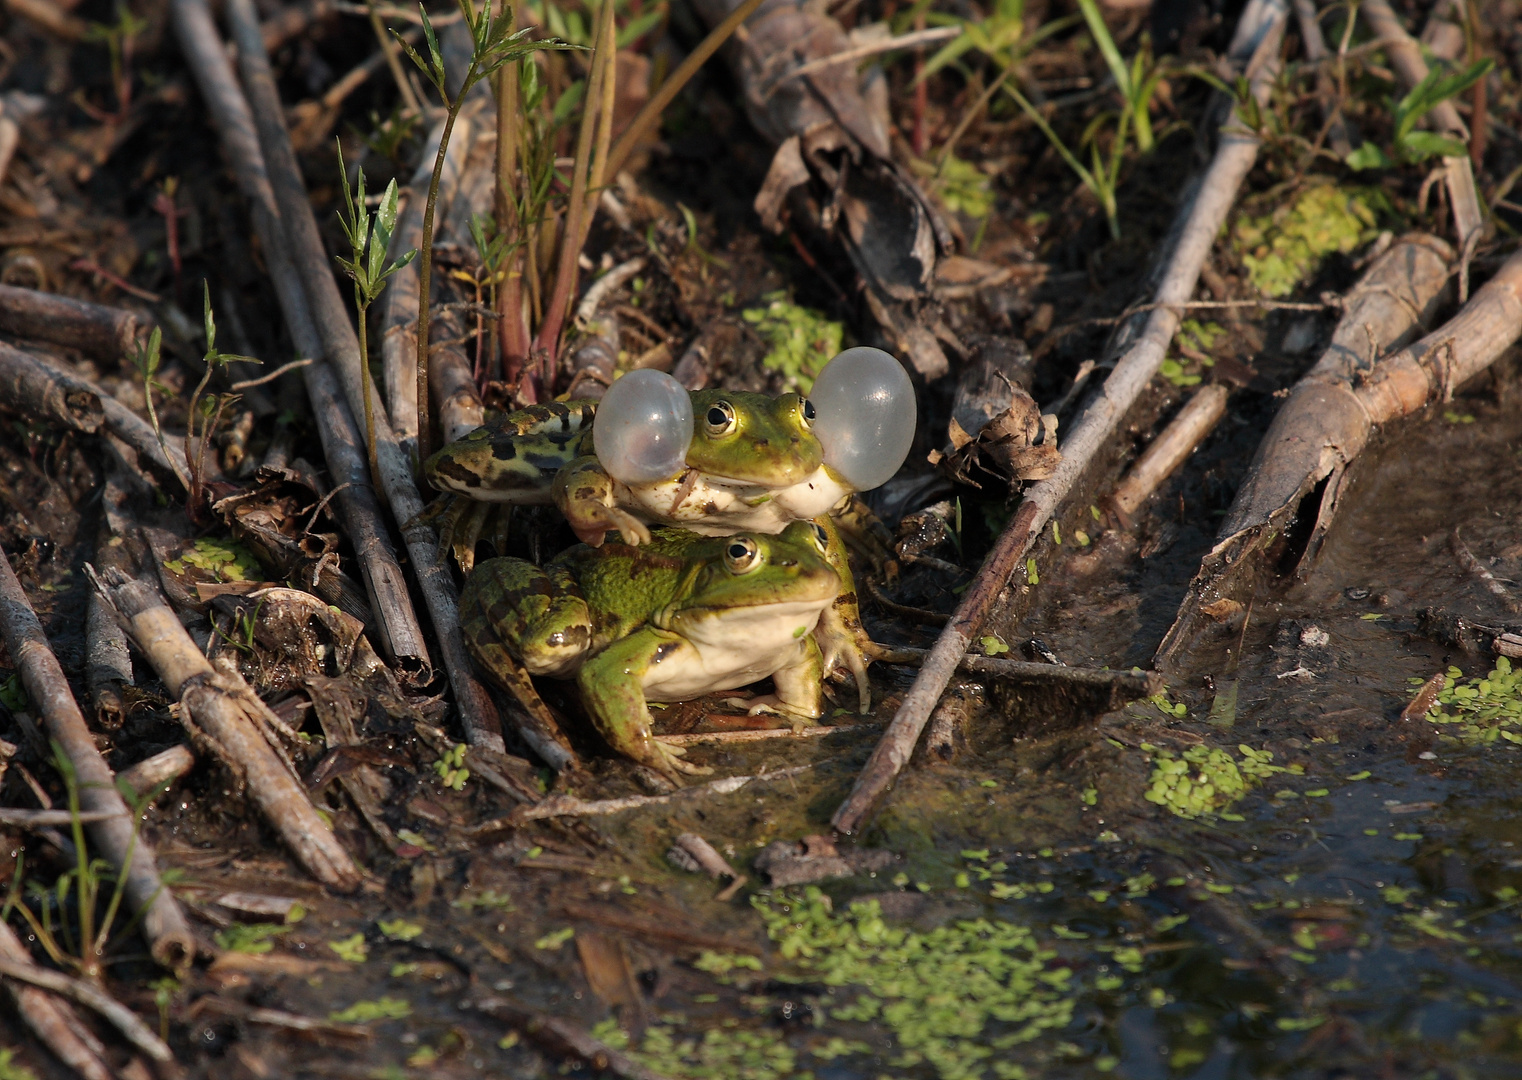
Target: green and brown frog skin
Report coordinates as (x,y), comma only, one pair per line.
(676,618)
(753,464)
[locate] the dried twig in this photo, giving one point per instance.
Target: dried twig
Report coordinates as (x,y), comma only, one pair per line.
(1477,569)
(1171,448)
(341,345)
(106,333)
(94,998)
(1256,48)
(398,633)
(40,392)
(165,767)
(215,700)
(53,1021)
(564,1039)
(164,926)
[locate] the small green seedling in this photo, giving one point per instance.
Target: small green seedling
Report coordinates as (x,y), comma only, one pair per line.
(1411,145)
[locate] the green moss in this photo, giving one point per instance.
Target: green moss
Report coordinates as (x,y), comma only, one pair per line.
(962,186)
(1480,710)
(1282,249)
(1205,779)
(800,340)
(364,1012)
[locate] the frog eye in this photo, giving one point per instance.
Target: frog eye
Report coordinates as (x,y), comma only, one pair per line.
(807,411)
(720,418)
(742,555)
(866,416)
(822,538)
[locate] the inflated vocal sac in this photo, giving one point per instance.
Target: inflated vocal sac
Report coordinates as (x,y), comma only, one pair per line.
(643,427)
(866,416)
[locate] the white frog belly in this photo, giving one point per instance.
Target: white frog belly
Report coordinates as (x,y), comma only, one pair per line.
(731,649)
(717,507)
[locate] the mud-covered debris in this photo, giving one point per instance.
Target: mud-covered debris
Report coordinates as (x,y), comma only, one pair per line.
(816,858)
(1016,446)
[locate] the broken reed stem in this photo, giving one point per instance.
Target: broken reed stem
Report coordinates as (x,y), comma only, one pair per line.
(477,713)
(40,392)
(651,111)
(105,333)
(455,394)
(579,208)
(1316,52)
(163,923)
(1406,58)
(1197,419)
(1256,48)
(215,700)
(1316,433)
(424,275)
(397,631)
(54,1022)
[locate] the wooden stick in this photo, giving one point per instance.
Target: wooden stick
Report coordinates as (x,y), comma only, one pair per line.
(1256,48)
(106,333)
(54,1022)
(477,713)
(215,700)
(163,923)
(1326,91)
(396,628)
(94,998)
(755,734)
(165,767)
(40,392)
(452,382)
(1406,58)
(1172,448)
(570,806)
(564,1039)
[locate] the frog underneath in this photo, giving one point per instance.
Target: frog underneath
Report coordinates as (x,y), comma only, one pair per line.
(681,616)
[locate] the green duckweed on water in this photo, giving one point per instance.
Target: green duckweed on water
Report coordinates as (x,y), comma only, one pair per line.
(1481,709)
(1280,250)
(800,340)
(956,1000)
(1205,779)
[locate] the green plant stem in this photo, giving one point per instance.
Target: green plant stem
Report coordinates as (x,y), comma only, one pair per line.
(424,275)
(646,118)
(364,379)
(393,61)
(547,341)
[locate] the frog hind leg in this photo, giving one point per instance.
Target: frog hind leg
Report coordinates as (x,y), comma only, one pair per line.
(799,696)
(612,689)
(842,639)
(587,496)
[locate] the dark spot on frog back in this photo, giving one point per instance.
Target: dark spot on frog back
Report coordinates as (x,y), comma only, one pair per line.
(664,651)
(453,470)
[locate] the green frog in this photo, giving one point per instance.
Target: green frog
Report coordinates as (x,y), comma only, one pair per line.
(753,463)
(677,617)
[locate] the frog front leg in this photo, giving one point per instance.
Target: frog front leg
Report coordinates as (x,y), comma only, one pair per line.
(587,496)
(843,640)
(799,686)
(612,686)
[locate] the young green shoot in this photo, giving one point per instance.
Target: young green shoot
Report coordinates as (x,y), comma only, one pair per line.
(147,358)
(369,239)
(494,43)
(1413,146)
(215,360)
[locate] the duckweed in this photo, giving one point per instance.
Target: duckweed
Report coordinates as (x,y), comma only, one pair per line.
(1205,779)
(800,340)
(225,560)
(364,1012)
(1282,249)
(955,1000)
(1480,710)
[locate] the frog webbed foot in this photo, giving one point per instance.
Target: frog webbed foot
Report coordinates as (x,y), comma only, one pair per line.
(772,705)
(670,761)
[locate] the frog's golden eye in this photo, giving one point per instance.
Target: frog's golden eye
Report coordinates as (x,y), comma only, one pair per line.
(806,410)
(821,537)
(742,555)
(721,418)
